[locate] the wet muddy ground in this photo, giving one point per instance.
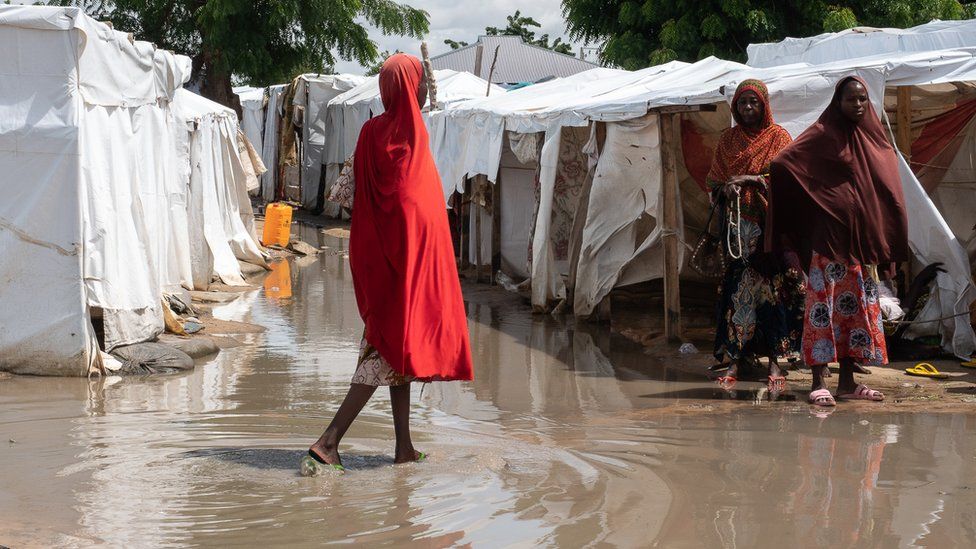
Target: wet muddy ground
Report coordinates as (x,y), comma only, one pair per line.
(568,437)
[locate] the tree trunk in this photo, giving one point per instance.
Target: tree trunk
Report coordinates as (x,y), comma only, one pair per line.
(213,84)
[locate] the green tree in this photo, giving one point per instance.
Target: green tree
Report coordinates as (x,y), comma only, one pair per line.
(260,42)
(522,26)
(374,69)
(639,33)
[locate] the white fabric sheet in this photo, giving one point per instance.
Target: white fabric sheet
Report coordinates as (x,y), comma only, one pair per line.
(269,149)
(626,188)
(43,322)
(864,41)
(252,108)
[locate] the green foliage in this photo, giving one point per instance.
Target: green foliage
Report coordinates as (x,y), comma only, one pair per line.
(839,19)
(639,33)
(264,41)
(522,26)
(454,44)
(374,69)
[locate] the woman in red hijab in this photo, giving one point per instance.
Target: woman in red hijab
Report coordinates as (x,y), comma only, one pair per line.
(402,261)
(836,199)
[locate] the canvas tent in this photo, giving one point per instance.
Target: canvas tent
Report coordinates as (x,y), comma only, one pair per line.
(313,95)
(269,144)
(655,140)
(862,42)
(348,112)
(95,156)
(252,105)
(264,107)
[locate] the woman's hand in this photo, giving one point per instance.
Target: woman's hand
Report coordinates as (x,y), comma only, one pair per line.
(736,183)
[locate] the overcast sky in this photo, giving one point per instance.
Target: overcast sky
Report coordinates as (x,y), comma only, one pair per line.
(464,21)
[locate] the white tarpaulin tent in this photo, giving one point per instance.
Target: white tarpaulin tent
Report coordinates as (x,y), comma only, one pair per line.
(221,221)
(612,238)
(95,161)
(314,94)
(347,113)
(609,254)
(252,107)
(864,42)
(269,144)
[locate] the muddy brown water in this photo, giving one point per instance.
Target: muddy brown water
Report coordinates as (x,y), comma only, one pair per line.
(567,437)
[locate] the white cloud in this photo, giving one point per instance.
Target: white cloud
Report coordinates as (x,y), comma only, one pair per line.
(465,21)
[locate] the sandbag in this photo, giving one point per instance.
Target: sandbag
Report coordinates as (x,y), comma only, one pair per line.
(196,347)
(151,358)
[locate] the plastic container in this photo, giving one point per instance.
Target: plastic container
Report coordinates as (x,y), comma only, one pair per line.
(277,225)
(278,284)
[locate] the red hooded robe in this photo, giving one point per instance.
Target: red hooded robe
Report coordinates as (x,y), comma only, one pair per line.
(400,248)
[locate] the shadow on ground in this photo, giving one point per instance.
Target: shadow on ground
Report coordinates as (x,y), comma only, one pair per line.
(281,459)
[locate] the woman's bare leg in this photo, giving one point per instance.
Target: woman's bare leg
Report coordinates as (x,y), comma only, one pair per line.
(846,384)
(400,400)
(327,446)
(819,377)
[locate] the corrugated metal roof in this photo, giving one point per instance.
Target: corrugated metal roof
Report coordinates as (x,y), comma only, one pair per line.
(517,61)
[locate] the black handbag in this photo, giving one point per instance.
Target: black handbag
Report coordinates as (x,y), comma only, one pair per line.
(708,258)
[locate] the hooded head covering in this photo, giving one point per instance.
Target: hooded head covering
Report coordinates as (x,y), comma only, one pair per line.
(748,151)
(400,249)
(836,191)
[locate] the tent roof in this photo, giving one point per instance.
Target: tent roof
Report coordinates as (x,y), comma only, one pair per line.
(451,86)
(605,95)
(192,106)
(864,41)
(113,68)
(251,98)
(517,61)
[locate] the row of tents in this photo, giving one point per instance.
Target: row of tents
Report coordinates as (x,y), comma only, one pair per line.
(588,183)
(124,186)
(308,128)
(119,187)
(612,163)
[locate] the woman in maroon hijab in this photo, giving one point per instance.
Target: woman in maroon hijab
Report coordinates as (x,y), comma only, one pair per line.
(836,199)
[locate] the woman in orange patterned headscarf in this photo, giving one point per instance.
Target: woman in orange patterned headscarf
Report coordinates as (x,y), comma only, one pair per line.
(760,308)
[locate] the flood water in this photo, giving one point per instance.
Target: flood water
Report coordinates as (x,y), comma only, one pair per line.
(567,437)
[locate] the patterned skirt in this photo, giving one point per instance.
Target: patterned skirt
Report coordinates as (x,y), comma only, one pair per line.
(374,370)
(843,315)
(758,313)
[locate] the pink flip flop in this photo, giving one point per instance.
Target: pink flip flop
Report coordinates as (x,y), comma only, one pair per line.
(862,392)
(822,397)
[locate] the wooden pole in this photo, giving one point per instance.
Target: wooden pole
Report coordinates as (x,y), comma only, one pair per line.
(462,225)
(903,133)
(491,73)
(670,127)
(496,229)
(903,140)
(476,208)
